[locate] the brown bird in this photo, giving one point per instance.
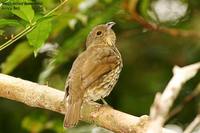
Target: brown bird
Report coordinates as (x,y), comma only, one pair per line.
(94,73)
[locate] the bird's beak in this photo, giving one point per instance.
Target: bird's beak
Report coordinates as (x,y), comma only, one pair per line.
(110,25)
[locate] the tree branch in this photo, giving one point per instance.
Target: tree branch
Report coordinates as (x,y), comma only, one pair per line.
(195,93)
(193,124)
(163,102)
(130,6)
(42,96)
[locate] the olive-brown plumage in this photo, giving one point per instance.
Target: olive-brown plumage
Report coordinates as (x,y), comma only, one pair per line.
(94,73)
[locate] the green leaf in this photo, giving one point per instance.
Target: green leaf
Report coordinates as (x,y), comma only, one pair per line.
(144,6)
(1,32)
(25,12)
(38,35)
(18,55)
(10,22)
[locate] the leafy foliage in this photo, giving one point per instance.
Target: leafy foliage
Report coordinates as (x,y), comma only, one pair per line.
(25,12)
(38,35)
(10,22)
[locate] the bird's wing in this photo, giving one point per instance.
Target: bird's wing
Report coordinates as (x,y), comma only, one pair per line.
(74,79)
(100,62)
(89,67)
(66,87)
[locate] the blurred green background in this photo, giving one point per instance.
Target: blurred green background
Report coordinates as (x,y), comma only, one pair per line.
(148,56)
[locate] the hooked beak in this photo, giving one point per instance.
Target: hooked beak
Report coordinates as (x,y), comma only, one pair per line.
(110,25)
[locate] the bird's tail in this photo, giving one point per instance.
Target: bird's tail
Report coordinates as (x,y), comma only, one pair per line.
(72,114)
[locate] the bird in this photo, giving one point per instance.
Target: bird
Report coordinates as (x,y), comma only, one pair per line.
(94,72)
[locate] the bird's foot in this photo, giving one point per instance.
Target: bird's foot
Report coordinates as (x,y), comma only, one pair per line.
(104,101)
(105,104)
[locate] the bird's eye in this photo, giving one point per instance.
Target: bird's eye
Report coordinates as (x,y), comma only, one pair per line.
(99,32)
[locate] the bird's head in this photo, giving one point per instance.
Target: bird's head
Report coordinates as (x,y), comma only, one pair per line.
(101,35)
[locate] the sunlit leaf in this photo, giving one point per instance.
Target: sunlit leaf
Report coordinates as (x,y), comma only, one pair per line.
(38,35)
(25,12)
(10,22)
(144,7)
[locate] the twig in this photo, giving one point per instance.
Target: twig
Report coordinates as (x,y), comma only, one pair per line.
(193,124)
(29,28)
(41,96)
(186,100)
(18,36)
(130,6)
(163,102)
